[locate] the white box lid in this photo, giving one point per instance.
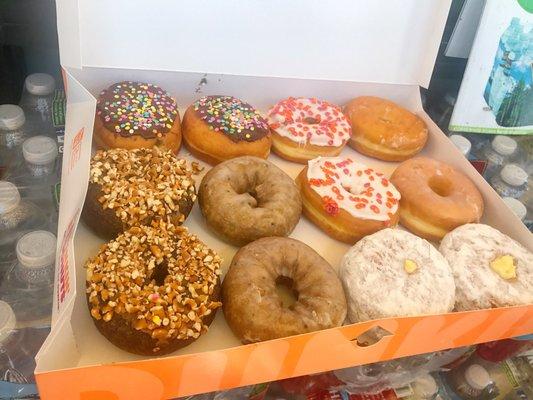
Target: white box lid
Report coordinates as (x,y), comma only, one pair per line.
(391,41)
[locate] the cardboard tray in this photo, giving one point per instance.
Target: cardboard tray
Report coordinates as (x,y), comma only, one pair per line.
(77,362)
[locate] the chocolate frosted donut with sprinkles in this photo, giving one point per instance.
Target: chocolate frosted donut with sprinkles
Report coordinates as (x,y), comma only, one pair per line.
(219,128)
(134,115)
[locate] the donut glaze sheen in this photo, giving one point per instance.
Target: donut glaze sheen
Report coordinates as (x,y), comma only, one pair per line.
(252,307)
(305,128)
(436,198)
(248,198)
(218,128)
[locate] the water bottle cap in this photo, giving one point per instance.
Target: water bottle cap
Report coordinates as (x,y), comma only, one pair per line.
(9,197)
(8,320)
(461,143)
(477,377)
(425,386)
(513,175)
(40,150)
(11,117)
(37,249)
(504,145)
(516,207)
(40,84)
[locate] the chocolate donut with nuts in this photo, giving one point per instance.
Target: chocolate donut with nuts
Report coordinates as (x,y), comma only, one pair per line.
(153,290)
(135,187)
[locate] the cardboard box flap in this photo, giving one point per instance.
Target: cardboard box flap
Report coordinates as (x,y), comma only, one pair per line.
(353,40)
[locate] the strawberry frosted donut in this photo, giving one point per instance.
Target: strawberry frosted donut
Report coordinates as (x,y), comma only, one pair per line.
(303,129)
(346,199)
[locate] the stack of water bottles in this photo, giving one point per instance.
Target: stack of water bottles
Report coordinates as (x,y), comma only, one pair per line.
(29,188)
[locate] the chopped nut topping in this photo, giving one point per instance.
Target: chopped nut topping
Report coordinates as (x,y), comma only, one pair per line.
(121,279)
(143,184)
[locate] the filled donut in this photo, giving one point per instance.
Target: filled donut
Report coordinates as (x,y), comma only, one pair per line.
(346,199)
(306,128)
(490,268)
(218,128)
(132,115)
(436,198)
(248,198)
(134,187)
(385,130)
(254,310)
(153,290)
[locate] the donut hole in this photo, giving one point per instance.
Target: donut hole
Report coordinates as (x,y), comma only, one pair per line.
(311,121)
(160,273)
(286,291)
(440,185)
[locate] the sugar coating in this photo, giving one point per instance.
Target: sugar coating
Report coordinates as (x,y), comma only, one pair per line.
(470,249)
(378,286)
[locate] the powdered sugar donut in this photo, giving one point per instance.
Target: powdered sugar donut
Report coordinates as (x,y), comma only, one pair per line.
(303,129)
(346,199)
(394,273)
(490,268)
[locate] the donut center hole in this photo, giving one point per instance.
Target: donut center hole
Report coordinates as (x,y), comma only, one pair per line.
(286,291)
(253,200)
(353,189)
(160,273)
(440,185)
(311,120)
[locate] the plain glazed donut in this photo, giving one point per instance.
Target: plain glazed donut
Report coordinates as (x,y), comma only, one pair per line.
(252,307)
(384,130)
(436,198)
(303,129)
(134,187)
(153,290)
(218,128)
(132,115)
(248,198)
(490,268)
(347,200)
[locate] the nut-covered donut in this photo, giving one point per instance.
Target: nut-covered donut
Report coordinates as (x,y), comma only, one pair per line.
(254,310)
(436,198)
(303,129)
(248,198)
(490,268)
(133,187)
(153,290)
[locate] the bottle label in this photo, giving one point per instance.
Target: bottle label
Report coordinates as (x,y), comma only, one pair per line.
(59,105)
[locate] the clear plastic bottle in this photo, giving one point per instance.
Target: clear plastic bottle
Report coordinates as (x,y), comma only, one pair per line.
(424,388)
(17,217)
(510,182)
(13,127)
(471,381)
(28,284)
(36,100)
(462,143)
(497,153)
(516,207)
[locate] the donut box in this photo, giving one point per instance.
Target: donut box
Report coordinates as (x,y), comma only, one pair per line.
(193,52)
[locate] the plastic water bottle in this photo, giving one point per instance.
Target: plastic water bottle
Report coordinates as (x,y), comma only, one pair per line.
(28,284)
(497,153)
(462,143)
(470,382)
(510,182)
(17,217)
(13,127)
(36,100)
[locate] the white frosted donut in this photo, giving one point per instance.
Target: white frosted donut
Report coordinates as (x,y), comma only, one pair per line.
(490,268)
(394,273)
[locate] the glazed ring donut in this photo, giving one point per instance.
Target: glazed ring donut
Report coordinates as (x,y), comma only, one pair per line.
(347,200)
(134,187)
(394,273)
(252,307)
(303,129)
(384,130)
(218,128)
(132,115)
(248,198)
(490,268)
(153,290)
(436,198)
